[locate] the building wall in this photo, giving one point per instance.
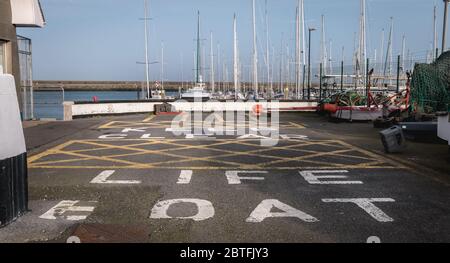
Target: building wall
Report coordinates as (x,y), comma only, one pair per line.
(8,33)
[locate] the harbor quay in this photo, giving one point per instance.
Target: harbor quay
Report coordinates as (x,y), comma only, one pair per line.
(132,179)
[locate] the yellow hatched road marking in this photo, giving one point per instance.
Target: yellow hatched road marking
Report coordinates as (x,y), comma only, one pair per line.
(341,151)
(149,123)
(149,118)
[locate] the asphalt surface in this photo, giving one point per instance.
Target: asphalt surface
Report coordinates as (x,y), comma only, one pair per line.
(130,179)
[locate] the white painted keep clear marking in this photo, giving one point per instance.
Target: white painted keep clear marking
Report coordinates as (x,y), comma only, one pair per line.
(263,129)
(293,137)
(185,177)
(234,178)
(113,136)
(199,137)
(127,130)
(102,178)
(252,136)
(367,205)
(60,209)
(149,136)
(205,209)
(311,178)
(263,211)
(221,131)
(180,130)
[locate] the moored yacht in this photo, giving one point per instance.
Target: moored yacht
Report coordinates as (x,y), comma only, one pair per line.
(196,93)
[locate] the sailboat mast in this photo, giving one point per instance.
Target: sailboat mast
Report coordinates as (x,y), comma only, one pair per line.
(267,52)
(297,52)
(219,83)
(381,51)
(281,62)
(303,34)
(162,65)
(323,48)
(403,52)
(388,62)
(435,40)
(330,58)
(303,43)
(362,41)
(235,66)
(197,70)
(213,85)
(146,48)
(255,53)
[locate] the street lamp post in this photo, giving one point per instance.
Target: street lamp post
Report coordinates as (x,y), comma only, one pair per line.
(309,63)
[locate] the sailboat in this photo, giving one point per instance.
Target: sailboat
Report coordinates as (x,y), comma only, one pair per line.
(198,91)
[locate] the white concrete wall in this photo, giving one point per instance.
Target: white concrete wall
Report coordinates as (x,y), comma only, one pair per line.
(444,128)
(111,108)
(12,140)
(180,106)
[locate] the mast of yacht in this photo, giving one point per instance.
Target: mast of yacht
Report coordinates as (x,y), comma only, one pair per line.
(288,69)
(197,68)
(403,52)
(213,84)
(268,92)
(255,53)
(330,58)
(272,72)
(381,52)
(355,60)
(362,40)
(435,40)
(323,48)
(162,65)
(219,84)
(146,48)
(297,52)
(388,62)
(281,62)
(182,70)
(303,41)
(235,66)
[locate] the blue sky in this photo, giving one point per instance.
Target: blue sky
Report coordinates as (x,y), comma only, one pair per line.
(103,39)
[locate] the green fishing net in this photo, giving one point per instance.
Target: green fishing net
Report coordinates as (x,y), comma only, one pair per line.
(430,86)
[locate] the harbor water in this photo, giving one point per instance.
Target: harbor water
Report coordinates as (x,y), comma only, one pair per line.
(48,104)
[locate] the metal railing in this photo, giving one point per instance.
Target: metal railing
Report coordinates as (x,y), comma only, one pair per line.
(26,77)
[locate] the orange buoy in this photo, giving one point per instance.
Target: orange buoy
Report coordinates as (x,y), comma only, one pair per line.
(258,109)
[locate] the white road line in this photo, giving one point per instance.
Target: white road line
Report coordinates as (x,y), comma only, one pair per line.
(312,178)
(149,136)
(234,178)
(113,136)
(264,210)
(367,205)
(127,130)
(178,130)
(205,209)
(102,178)
(62,207)
(185,177)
